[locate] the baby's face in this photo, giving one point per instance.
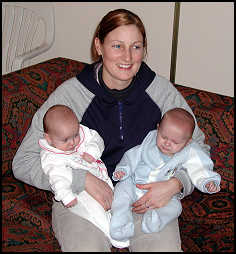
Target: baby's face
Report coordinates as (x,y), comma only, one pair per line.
(67,137)
(171,138)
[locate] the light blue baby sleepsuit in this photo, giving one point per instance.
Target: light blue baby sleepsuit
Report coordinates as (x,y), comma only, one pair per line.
(145,164)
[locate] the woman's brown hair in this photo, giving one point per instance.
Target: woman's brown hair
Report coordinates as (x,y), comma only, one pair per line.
(111,21)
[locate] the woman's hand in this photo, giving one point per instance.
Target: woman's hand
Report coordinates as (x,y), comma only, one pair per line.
(99,190)
(158,194)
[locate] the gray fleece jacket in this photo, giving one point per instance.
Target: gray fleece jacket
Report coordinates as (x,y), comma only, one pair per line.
(116,120)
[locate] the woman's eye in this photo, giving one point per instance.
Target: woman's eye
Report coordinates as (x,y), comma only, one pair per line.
(117,46)
(137,47)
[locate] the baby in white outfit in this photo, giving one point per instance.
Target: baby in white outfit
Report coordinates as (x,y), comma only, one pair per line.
(67,145)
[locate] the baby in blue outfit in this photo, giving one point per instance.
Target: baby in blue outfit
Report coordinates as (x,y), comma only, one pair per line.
(163,151)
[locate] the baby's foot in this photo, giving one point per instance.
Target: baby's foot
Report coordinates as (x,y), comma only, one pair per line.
(122,232)
(151,222)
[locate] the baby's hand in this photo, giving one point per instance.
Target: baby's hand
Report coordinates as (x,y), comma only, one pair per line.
(119,174)
(72,203)
(211,187)
(87,157)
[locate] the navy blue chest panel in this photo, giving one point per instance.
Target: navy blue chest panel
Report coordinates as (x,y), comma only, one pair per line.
(122,125)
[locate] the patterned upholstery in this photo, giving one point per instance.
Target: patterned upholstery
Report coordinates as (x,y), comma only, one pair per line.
(206,223)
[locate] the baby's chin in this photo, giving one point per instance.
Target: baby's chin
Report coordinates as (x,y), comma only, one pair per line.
(165,152)
(68,149)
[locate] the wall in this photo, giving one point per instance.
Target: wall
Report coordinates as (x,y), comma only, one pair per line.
(205,47)
(205,53)
(76,23)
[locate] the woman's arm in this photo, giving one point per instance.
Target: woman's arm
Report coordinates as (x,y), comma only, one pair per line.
(166,96)
(26,164)
(94,144)
(99,190)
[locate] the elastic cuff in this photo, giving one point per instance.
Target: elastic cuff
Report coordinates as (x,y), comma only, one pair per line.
(188,187)
(78,180)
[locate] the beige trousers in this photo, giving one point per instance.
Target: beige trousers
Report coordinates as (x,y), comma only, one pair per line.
(76,234)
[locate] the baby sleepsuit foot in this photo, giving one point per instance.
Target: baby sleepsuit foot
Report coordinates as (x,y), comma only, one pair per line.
(154,220)
(122,225)
(151,222)
(122,230)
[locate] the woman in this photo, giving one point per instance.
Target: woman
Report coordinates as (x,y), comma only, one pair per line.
(123,99)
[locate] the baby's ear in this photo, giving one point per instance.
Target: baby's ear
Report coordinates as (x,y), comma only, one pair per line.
(47,137)
(189,141)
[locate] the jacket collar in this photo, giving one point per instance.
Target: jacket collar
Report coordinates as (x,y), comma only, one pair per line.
(89,78)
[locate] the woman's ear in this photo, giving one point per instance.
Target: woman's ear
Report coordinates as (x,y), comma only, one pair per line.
(98,46)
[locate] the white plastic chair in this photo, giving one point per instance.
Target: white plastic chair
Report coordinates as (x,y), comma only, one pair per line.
(28,30)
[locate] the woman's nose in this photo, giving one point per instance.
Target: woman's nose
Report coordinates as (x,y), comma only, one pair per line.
(127,54)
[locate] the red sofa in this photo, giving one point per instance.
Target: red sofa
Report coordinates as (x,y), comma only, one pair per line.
(206,223)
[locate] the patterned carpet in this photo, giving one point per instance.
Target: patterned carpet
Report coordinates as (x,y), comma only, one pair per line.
(207,221)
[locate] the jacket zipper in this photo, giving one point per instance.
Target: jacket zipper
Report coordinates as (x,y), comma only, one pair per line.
(120,106)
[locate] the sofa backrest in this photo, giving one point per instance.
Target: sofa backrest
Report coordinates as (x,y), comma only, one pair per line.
(23,92)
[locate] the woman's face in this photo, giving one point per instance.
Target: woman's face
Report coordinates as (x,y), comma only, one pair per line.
(122,53)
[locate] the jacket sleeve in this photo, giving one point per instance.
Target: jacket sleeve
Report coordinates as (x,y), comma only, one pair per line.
(166,96)
(128,162)
(94,144)
(26,163)
(60,177)
(200,168)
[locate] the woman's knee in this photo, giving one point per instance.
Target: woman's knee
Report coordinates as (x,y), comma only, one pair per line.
(77,234)
(167,240)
